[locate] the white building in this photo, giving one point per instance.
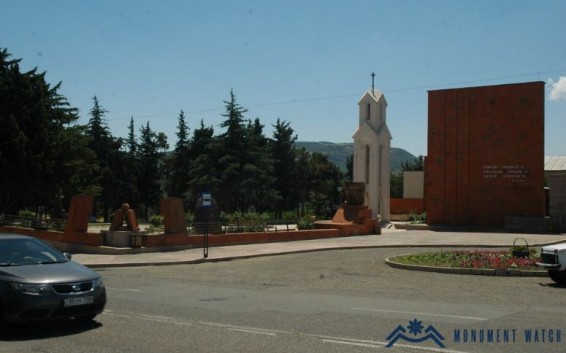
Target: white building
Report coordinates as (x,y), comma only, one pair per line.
(372,145)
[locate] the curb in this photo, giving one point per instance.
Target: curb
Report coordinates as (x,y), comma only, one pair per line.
(467,271)
(218,259)
(351,247)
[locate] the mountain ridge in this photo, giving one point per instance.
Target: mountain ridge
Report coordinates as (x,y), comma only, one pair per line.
(338,153)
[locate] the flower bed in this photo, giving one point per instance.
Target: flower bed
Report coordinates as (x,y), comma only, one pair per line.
(478,259)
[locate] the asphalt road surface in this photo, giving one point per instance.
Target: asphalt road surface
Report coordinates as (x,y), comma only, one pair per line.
(329,301)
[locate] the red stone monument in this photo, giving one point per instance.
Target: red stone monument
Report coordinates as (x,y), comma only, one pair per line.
(173,215)
(125,213)
(353,217)
(79,213)
(485,154)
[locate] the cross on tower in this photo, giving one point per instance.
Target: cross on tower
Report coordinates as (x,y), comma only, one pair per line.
(372,82)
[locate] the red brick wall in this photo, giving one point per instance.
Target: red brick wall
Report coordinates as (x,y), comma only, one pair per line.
(406,206)
(485,154)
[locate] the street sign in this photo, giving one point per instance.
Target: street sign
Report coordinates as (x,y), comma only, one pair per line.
(206,199)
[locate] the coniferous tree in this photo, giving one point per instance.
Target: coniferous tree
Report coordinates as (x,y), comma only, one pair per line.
(301,187)
(112,173)
(80,166)
(132,143)
(131,165)
(202,137)
(326,179)
(36,142)
(350,168)
(99,132)
(416,165)
(149,176)
(396,185)
(181,164)
(397,181)
(284,155)
(258,176)
(204,151)
(233,145)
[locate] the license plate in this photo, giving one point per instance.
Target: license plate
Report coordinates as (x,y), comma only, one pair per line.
(78,301)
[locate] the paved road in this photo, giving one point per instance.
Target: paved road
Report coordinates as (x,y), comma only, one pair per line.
(331,301)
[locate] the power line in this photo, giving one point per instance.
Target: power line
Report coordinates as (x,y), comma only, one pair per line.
(316,99)
(474,81)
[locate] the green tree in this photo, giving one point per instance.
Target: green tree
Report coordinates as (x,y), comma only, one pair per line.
(202,137)
(99,132)
(204,151)
(325,180)
(397,180)
(258,177)
(179,181)
(36,142)
(284,154)
(350,168)
(149,176)
(301,187)
(131,163)
(112,174)
(79,166)
(232,159)
(416,165)
(131,142)
(396,185)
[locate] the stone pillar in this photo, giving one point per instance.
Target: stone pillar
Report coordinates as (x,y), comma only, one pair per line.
(173,215)
(79,213)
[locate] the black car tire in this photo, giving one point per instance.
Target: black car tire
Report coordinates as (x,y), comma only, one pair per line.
(3,325)
(558,276)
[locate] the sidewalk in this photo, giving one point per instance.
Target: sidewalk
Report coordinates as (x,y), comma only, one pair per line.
(389,238)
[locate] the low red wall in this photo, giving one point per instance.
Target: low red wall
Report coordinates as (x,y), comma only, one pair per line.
(92,239)
(162,240)
(41,234)
(237,238)
(406,206)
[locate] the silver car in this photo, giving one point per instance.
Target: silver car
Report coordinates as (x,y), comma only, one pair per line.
(38,282)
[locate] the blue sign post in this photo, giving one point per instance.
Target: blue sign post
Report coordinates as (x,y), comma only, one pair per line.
(206,198)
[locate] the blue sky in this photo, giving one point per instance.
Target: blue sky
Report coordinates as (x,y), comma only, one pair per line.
(305,62)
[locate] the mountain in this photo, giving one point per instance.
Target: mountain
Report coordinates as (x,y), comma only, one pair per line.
(339,152)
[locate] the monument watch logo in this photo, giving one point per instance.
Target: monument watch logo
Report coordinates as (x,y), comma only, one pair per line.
(415,328)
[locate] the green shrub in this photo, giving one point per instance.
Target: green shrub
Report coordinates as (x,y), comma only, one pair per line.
(247,222)
(26,218)
(416,218)
(189,217)
(306,223)
(155,223)
(289,216)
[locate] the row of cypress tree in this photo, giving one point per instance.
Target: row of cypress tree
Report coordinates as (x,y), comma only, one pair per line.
(46,157)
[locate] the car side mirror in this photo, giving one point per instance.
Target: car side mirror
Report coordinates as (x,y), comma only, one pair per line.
(67,255)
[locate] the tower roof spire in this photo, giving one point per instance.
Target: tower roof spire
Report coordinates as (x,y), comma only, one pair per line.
(372,82)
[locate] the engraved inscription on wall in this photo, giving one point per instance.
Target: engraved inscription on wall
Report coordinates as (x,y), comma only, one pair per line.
(516,173)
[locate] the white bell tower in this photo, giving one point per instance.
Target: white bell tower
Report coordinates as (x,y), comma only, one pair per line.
(372,145)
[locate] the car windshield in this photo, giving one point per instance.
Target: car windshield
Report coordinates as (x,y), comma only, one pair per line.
(18,252)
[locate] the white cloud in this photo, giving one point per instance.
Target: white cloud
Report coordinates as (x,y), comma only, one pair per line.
(557,89)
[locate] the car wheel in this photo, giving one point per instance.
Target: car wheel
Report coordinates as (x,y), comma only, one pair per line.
(3,325)
(558,276)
